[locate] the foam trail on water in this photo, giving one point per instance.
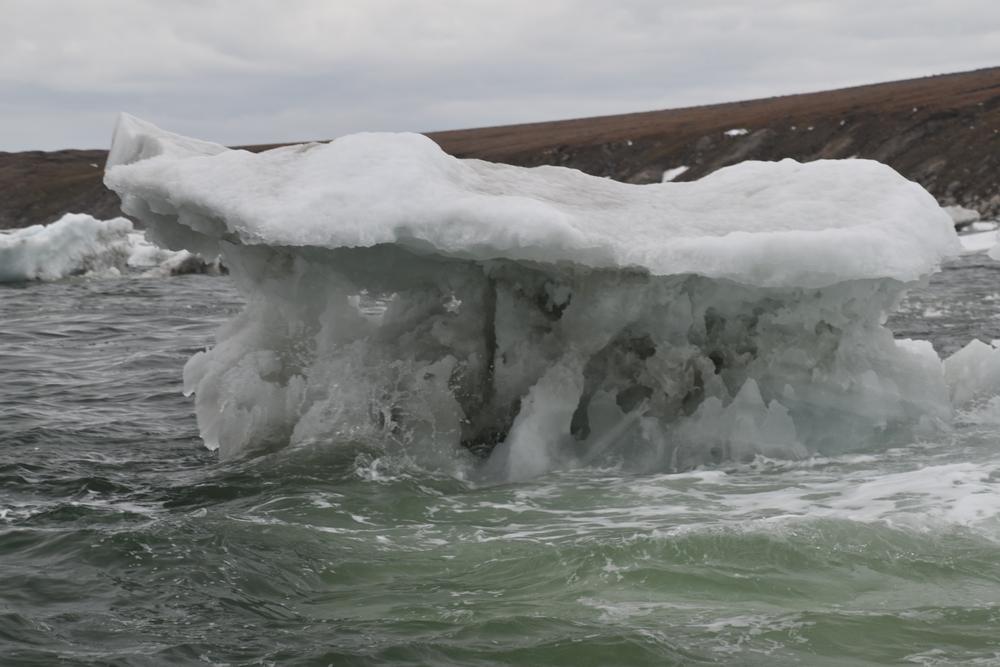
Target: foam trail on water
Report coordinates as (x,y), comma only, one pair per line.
(541,317)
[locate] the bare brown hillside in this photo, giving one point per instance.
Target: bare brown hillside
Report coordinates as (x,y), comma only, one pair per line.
(941,131)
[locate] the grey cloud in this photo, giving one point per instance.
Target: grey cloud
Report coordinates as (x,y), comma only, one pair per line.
(253,71)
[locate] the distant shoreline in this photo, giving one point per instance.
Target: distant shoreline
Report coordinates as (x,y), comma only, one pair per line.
(941,131)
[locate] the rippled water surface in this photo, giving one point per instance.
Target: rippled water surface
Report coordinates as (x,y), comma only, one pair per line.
(124,542)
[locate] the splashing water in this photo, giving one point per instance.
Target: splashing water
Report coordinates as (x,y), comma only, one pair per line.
(123,541)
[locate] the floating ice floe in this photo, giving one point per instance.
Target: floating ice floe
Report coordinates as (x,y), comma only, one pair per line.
(973,373)
(542,317)
(671,174)
(160,262)
(978,241)
(75,244)
(79,244)
(961,215)
(976,235)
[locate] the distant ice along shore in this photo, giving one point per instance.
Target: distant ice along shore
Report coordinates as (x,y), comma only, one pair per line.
(79,244)
(977,235)
(532,319)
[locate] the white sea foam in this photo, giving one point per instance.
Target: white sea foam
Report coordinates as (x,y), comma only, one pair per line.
(543,315)
(930,499)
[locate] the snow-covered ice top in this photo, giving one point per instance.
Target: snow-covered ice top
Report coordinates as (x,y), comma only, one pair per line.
(758,223)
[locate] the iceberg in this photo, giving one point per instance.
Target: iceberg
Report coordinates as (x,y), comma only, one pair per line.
(518,319)
(81,245)
(73,245)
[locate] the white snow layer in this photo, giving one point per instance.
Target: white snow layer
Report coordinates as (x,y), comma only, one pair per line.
(758,223)
(541,317)
(79,244)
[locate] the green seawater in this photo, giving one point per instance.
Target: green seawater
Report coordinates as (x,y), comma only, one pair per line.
(124,542)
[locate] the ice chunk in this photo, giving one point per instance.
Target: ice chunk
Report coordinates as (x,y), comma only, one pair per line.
(75,244)
(79,244)
(160,262)
(746,427)
(978,241)
(671,174)
(136,140)
(540,428)
(973,373)
(961,215)
(143,254)
(540,317)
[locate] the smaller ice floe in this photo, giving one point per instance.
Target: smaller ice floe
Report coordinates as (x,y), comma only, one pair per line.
(737,132)
(962,216)
(182,263)
(76,244)
(976,235)
(159,261)
(973,373)
(145,255)
(981,241)
(79,244)
(671,174)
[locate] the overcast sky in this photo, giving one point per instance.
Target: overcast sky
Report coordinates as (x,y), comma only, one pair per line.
(260,71)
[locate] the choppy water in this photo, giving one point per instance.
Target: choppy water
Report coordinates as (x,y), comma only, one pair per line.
(124,542)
